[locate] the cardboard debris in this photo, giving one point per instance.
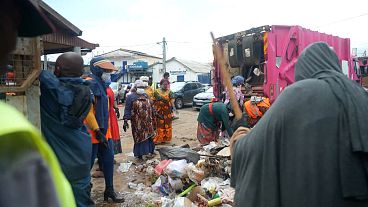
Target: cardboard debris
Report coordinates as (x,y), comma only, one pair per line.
(225,152)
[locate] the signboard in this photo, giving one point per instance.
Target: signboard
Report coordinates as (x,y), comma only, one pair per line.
(178,72)
(138,66)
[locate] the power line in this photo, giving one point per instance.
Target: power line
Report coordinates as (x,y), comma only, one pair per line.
(344,20)
(154,43)
(187,42)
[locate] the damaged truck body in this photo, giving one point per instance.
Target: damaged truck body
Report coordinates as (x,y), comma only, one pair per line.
(266,56)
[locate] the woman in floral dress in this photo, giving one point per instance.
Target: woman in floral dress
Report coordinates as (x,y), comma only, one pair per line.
(164,105)
(139,111)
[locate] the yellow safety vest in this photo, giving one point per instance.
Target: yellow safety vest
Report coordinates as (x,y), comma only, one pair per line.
(11,122)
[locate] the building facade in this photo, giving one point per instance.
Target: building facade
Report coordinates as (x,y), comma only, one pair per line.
(182,70)
(131,64)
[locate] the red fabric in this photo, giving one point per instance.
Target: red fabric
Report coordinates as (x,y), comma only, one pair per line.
(162,166)
(206,135)
(114,127)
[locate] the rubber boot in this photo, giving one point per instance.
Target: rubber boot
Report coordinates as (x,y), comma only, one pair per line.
(110,193)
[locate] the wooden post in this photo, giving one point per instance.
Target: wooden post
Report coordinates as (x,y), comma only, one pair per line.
(219,56)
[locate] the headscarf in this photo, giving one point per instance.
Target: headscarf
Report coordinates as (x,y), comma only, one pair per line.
(318,61)
(98,88)
(144,78)
(237,80)
(140,83)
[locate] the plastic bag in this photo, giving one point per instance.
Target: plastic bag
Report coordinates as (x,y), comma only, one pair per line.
(212,183)
(210,146)
(175,184)
(182,202)
(156,185)
(161,185)
(195,174)
(177,169)
(162,166)
(178,153)
(124,167)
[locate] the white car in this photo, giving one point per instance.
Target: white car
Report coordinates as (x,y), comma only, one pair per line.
(203,98)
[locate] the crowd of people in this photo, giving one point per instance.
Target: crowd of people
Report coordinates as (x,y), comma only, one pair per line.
(309,149)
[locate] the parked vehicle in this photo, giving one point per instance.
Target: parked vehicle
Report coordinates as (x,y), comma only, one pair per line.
(266,56)
(203,98)
(207,86)
(185,91)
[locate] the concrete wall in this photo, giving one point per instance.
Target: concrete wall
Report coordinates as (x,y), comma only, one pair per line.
(174,68)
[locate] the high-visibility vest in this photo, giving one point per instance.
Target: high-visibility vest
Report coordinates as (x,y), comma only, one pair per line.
(252,109)
(13,122)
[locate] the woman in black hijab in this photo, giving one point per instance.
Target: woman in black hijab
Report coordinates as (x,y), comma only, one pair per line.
(311,147)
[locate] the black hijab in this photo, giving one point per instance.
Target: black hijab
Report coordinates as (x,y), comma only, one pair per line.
(310,148)
(318,61)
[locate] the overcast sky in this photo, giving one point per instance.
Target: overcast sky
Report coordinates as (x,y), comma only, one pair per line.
(140,24)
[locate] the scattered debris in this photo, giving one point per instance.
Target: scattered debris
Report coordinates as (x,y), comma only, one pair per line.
(177,169)
(182,179)
(124,167)
(225,152)
(129,154)
(162,166)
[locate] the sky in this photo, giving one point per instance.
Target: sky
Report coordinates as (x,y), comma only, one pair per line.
(186,24)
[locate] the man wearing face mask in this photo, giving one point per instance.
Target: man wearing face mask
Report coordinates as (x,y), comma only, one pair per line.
(138,109)
(101,70)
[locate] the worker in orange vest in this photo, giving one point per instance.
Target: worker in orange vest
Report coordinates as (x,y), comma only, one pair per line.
(255,108)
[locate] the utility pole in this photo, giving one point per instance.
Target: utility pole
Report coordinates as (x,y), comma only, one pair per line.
(164,54)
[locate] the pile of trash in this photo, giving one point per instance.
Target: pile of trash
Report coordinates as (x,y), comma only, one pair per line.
(186,177)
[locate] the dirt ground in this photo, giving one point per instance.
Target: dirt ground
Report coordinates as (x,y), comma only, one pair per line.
(184,132)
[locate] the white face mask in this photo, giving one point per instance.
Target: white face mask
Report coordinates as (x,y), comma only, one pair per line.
(140,91)
(106,77)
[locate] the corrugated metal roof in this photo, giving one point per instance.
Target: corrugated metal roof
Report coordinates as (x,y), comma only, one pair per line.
(62,24)
(126,53)
(195,66)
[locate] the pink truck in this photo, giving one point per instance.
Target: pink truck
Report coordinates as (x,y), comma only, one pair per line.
(266,56)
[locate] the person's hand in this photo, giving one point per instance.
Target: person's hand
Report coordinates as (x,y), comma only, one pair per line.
(101,138)
(242,122)
(176,112)
(117,112)
(126,125)
(239,133)
(173,109)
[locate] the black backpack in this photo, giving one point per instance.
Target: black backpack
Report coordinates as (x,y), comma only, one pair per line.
(74,115)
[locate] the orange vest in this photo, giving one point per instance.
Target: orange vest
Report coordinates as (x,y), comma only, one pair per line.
(253,110)
(92,133)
